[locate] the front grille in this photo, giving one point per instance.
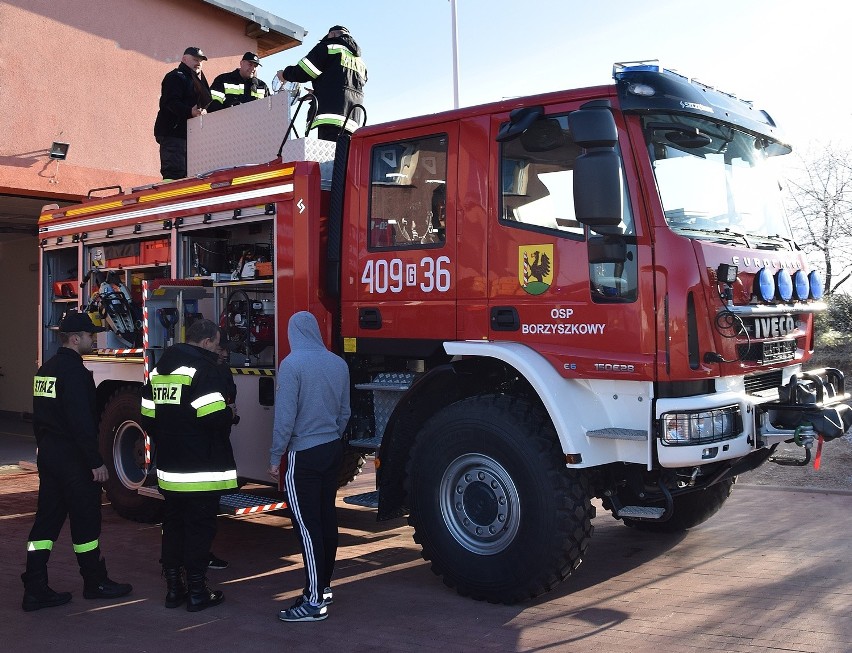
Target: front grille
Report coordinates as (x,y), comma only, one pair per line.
(762,381)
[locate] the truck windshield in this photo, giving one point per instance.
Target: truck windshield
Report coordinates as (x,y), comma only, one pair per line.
(714,180)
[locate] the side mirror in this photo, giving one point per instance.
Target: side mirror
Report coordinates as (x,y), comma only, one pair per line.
(598,185)
(519,121)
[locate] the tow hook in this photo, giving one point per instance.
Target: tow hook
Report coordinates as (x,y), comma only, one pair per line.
(804,437)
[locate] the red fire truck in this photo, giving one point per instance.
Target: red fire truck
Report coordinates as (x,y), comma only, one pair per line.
(587,293)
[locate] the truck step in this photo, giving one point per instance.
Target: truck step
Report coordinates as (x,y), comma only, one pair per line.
(618,434)
(366,500)
(641,512)
(368,444)
(241,503)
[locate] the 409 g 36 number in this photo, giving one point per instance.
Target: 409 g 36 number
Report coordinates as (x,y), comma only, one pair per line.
(429,274)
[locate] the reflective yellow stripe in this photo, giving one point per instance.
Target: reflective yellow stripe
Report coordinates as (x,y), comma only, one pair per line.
(87,546)
(197,481)
(263,176)
(209,403)
(40,545)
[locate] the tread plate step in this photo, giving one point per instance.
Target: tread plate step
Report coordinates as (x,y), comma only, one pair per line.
(242,503)
(641,512)
(367,500)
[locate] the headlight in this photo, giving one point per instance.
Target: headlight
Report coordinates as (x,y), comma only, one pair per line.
(701,427)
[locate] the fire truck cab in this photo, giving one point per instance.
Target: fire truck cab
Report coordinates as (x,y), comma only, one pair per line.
(587,293)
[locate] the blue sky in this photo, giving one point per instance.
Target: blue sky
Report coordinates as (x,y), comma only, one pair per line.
(790,58)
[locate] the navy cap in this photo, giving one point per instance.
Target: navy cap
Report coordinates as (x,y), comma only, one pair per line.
(251,56)
(74,322)
(195,52)
(338,28)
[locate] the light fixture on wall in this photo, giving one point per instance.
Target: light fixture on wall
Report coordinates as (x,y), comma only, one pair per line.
(58,151)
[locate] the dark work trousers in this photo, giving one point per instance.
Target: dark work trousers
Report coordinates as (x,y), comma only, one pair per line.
(172,157)
(311,482)
(66,489)
(189,526)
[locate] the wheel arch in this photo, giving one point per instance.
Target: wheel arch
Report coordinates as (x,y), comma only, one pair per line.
(437,389)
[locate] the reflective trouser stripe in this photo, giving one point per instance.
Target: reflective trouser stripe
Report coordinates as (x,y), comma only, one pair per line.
(40,545)
(87,546)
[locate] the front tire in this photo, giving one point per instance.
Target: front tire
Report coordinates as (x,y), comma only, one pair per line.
(122,446)
(492,504)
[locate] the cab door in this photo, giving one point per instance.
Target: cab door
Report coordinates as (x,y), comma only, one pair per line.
(569,292)
(405,294)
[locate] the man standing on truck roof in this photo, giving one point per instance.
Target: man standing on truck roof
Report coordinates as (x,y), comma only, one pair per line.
(70,469)
(184,412)
(185,94)
(338,73)
(238,86)
(311,414)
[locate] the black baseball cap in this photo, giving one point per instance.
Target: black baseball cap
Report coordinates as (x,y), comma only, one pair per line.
(251,56)
(74,322)
(338,28)
(196,52)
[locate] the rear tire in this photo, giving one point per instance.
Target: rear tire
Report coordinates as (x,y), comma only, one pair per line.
(353,463)
(122,446)
(689,510)
(492,504)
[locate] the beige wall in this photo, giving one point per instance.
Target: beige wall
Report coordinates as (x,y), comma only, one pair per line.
(88,72)
(18,330)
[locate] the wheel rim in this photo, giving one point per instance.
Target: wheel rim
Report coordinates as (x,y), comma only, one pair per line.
(480,504)
(128,454)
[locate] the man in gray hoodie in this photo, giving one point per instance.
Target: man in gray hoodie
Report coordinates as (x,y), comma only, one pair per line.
(311,413)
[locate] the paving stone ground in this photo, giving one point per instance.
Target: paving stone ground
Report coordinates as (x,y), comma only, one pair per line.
(770,572)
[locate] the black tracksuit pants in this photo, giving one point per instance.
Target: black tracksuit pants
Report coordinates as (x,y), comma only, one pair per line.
(311,481)
(66,490)
(189,526)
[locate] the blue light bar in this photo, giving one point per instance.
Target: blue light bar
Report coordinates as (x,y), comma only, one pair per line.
(785,285)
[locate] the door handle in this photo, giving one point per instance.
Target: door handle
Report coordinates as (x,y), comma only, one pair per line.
(369,318)
(505,318)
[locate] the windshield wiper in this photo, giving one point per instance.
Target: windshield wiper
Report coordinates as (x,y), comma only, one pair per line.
(721,235)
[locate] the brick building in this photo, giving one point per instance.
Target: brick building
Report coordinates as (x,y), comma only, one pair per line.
(87,73)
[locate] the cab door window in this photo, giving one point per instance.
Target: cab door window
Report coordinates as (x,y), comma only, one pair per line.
(408,193)
(537,194)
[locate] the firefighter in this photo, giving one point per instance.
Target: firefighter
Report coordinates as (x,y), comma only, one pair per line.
(184,412)
(185,94)
(70,469)
(338,74)
(238,86)
(311,413)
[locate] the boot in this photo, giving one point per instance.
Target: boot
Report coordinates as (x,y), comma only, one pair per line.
(38,595)
(175,586)
(200,596)
(96,584)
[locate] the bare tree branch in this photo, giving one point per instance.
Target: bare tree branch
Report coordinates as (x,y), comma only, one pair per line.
(819,205)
